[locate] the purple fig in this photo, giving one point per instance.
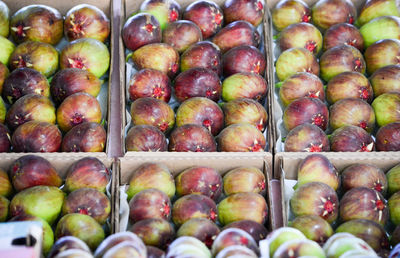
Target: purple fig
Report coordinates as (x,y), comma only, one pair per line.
(351,138)
(5,139)
(313,227)
(148,204)
(155,232)
(181,34)
(243,59)
(193,206)
(256,230)
(386,79)
(85,137)
(388,137)
(243,180)
(154,252)
(306,138)
(145,138)
(289,12)
(163,10)
(295,60)
(364,175)
(192,137)
(343,34)
(382,53)
(233,237)
(202,54)
(66,243)
(251,11)
(202,229)
(326,13)
(241,138)
(301,35)
(244,85)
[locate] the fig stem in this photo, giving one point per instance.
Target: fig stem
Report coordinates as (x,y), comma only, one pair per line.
(278,84)
(128,56)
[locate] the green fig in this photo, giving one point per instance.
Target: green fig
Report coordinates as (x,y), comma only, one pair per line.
(393,178)
(4,19)
(6,49)
(387,108)
(376,8)
(313,227)
(4,208)
(5,184)
(299,248)
(295,60)
(394,208)
(282,235)
(385,27)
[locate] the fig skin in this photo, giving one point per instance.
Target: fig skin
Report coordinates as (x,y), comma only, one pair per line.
(306,110)
(65,243)
(289,12)
(256,230)
(394,204)
(386,108)
(4,20)
(244,85)
(364,175)
(150,203)
(295,60)
(395,239)
(241,138)
(299,248)
(351,138)
(4,208)
(192,138)
(145,138)
(232,237)
(315,198)
(181,34)
(386,79)
(301,35)
(376,8)
(116,239)
(155,232)
(5,139)
(243,59)
(202,229)
(85,137)
(372,31)
(32,170)
(281,235)
(5,184)
(4,73)
(164,11)
(197,82)
(87,173)
(339,59)
(382,53)
(37,23)
(339,11)
(86,21)
(349,85)
(343,34)
(201,111)
(388,137)
(154,252)
(76,109)
(313,227)
(193,206)
(35,136)
(203,54)
(250,11)
(393,178)
(244,179)
(307,138)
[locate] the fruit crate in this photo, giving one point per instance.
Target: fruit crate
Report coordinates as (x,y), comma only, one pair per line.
(129,7)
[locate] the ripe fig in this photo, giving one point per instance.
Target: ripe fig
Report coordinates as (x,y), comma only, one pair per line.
(382,53)
(385,80)
(24,81)
(154,252)
(193,206)
(326,13)
(35,136)
(243,59)
(306,138)
(300,85)
(203,54)
(236,250)
(394,208)
(4,72)
(151,175)
(4,20)
(186,245)
(192,137)
(306,110)
(395,239)
(386,108)
(202,229)
(76,109)
(376,8)
(87,54)
(349,85)
(145,138)
(4,208)
(241,138)
(5,184)
(250,11)
(301,35)
(244,85)
(44,202)
(315,198)
(3,111)
(244,179)
(233,237)
(155,232)
(37,23)
(65,243)
(343,34)
(281,235)
(343,243)
(289,12)
(150,203)
(87,173)
(81,226)
(351,138)
(254,229)
(299,248)
(5,141)
(295,60)
(343,58)
(118,238)
(7,48)
(126,248)
(85,137)
(165,11)
(86,21)
(388,137)
(372,31)
(74,253)
(393,178)
(181,34)
(364,175)
(72,80)
(313,227)
(238,33)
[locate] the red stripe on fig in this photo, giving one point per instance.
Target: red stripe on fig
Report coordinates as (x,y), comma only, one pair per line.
(145,138)
(203,54)
(150,203)
(192,137)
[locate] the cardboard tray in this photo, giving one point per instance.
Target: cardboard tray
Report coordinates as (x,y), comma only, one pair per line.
(130,6)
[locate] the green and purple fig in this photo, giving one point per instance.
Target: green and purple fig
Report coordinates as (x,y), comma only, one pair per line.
(233,237)
(384,27)
(394,208)
(201,228)
(5,184)
(241,138)
(326,13)
(343,34)
(243,59)
(4,73)
(295,60)
(66,243)
(165,11)
(192,138)
(181,35)
(393,178)
(341,243)
(388,137)
(155,232)
(154,252)
(85,137)
(203,54)
(395,239)
(250,11)
(4,208)
(306,138)
(301,35)
(7,48)
(5,139)
(117,238)
(376,8)
(281,235)
(382,53)
(289,12)
(150,203)
(4,20)
(364,175)
(386,108)
(351,138)
(299,248)
(145,138)
(193,206)
(313,227)
(386,79)
(244,180)
(244,85)
(254,229)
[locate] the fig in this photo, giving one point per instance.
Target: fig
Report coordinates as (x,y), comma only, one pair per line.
(364,175)
(155,232)
(3,111)
(237,33)
(306,110)
(385,80)
(243,180)
(395,239)
(376,8)
(300,85)
(326,13)
(145,138)
(315,198)
(181,34)
(5,184)
(66,243)
(349,85)
(4,19)
(250,11)
(188,246)
(233,237)
(201,111)
(4,208)
(369,231)
(71,253)
(289,12)
(31,107)
(149,83)
(343,34)
(388,137)
(313,227)
(295,60)
(192,137)
(299,248)
(120,237)
(87,54)
(306,138)
(351,138)
(72,80)
(7,48)
(393,178)
(382,53)
(201,228)
(44,202)
(193,206)
(154,252)
(150,203)
(36,55)
(81,226)
(203,54)
(343,58)
(151,111)
(341,243)
(386,107)
(256,230)
(281,235)
(243,206)
(243,59)
(372,31)
(4,72)
(5,139)
(151,175)
(85,137)
(199,180)
(124,249)
(76,109)
(35,136)
(394,208)
(165,11)
(241,138)
(86,21)
(32,170)
(87,173)
(37,23)
(236,250)
(301,35)
(24,81)
(244,85)
(197,82)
